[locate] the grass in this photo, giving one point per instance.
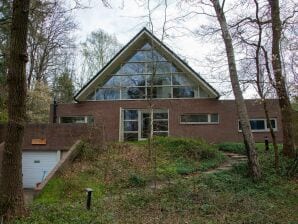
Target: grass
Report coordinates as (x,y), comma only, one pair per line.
(238,147)
(120,177)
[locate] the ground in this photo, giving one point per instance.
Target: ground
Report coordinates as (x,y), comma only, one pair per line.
(189,190)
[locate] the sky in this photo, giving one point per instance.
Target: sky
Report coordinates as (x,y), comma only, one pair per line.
(125,18)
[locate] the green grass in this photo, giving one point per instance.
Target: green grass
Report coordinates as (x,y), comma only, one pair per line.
(120,177)
(235,147)
(238,147)
(185,156)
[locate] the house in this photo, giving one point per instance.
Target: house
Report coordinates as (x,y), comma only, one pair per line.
(144,75)
(147,74)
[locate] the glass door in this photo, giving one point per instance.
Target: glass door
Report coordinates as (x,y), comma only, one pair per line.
(145,125)
(135,124)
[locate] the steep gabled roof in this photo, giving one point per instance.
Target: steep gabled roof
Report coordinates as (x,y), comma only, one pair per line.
(143,36)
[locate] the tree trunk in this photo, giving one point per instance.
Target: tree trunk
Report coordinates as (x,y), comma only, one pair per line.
(275,146)
(253,163)
(12,201)
(260,78)
(280,85)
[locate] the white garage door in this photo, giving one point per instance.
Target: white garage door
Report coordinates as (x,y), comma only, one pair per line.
(36,166)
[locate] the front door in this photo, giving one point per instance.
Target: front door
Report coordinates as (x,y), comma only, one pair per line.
(145,125)
(135,124)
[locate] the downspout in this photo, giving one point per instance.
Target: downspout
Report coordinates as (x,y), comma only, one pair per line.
(55,105)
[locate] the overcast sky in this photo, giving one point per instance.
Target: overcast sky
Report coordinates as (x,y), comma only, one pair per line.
(125,19)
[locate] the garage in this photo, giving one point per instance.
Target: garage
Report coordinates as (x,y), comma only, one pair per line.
(37,165)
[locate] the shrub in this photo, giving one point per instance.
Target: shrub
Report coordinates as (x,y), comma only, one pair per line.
(136,181)
(235,147)
(87,152)
(196,149)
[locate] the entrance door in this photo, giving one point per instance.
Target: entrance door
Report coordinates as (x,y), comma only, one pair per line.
(135,124)
(145,125)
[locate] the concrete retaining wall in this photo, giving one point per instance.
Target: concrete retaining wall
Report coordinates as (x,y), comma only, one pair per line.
(61,165)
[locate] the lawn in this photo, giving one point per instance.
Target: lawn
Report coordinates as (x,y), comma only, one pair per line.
(121,175)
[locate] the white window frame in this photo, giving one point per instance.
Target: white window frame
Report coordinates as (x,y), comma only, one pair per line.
(140,111)
(265,123)
(208,115)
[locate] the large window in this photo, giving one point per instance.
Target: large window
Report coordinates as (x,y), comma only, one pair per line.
(76,119)
(136,123)
(199,119)
(130,125)
(147,74)
(260,125)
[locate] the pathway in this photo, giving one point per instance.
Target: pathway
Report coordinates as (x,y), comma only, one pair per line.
(232,158)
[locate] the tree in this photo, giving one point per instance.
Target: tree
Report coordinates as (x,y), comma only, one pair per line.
(49,39)
(250,32)
(63,88)
(97,50)
(5,17)
(12,201)
(280,84)
(240,104)
(38,103)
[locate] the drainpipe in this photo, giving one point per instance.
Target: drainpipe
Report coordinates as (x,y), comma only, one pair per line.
(55,105)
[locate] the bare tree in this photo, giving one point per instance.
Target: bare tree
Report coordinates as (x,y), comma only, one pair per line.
(280,84)
(12,201)
(49,38)
(249,32)
(240,104)
(97,50)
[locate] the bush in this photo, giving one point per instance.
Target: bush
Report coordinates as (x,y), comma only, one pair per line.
(136,181)
(196,149)
(87,151)
(234,147)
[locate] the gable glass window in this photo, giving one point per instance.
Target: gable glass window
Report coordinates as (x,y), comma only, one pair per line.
(199,119)
(260,125)
(147,67)
(76,120)
(107,94)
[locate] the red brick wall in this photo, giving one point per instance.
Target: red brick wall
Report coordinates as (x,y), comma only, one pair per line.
(107,113)
(58,136)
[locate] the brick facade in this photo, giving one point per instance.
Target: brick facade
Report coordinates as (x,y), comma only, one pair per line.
(58,136)
(108,114)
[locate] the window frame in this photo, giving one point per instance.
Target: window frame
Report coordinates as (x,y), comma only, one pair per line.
(86,117)
(199,123)
(122,132)
(147,76)
(267,129)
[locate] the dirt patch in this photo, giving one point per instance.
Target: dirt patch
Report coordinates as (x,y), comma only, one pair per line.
(29,196)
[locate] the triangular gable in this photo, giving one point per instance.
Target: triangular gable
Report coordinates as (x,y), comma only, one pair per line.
(127,51)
